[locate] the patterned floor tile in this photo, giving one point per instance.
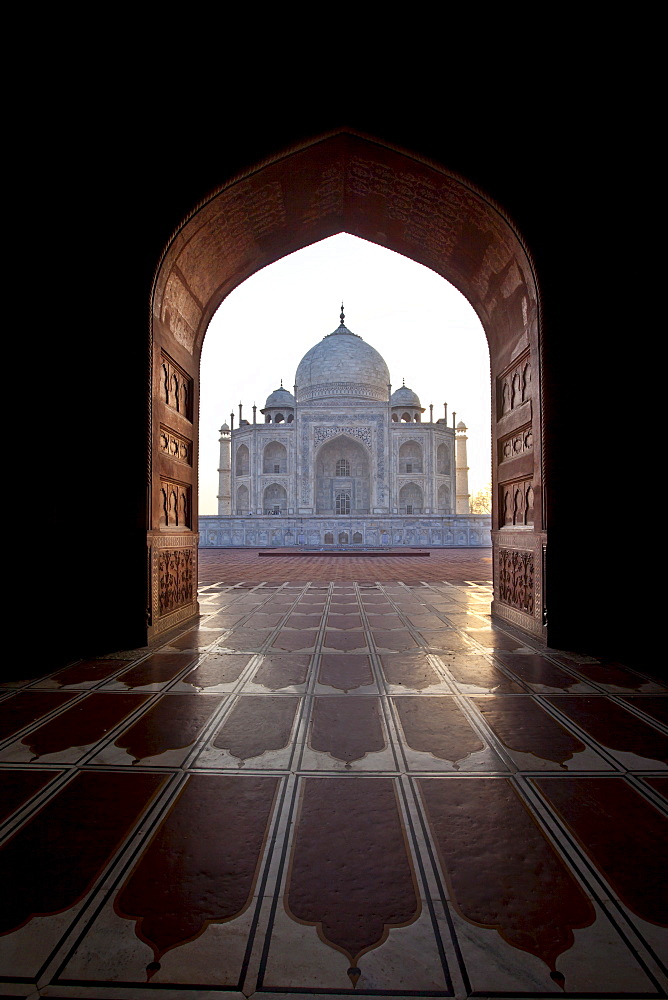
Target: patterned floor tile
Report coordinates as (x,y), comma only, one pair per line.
(335,785)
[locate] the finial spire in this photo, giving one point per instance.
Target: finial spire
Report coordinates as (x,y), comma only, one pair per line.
(281,383)
(342,315)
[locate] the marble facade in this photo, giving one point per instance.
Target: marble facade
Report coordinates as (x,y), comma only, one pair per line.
(343,461)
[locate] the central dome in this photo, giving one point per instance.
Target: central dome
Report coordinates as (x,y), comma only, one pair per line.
(341,366)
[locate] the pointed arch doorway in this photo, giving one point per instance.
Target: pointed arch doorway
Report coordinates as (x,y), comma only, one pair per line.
(345,182)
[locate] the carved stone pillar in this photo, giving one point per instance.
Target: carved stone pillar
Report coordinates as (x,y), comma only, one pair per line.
(519,538)
(172,540)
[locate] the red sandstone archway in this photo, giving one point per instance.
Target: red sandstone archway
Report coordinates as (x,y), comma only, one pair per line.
(349,183)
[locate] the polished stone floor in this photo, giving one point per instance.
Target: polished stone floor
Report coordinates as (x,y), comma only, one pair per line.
(334,787)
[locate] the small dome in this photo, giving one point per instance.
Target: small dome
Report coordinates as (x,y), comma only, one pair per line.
(225,427)
(280,397)
(404,397)
(461,426)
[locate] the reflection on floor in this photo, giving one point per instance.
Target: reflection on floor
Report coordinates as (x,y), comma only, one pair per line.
(335,788)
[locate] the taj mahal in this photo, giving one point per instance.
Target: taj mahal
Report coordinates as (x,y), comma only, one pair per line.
(343,462)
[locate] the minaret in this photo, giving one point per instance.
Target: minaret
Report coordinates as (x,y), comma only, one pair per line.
(224,485)
(462,470)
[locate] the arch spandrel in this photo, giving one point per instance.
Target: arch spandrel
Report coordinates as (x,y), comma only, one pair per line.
(350,183)
(346,183)
(344,437)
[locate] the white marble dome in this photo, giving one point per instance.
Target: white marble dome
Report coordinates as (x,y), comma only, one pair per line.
(342,366)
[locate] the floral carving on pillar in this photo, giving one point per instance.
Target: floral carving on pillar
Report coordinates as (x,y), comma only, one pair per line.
(176,576)
(516,579)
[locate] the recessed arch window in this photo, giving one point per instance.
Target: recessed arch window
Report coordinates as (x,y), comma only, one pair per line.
(343,502)
(410,457)
(242,500)
(331,477)
(275,458)
(444,499)
(410,499)
(243,460)
(275,499)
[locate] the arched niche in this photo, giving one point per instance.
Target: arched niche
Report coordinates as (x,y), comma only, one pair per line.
(410,458)
(274,458)
(242,461)
(242,500)
(345,182)
(275,499)
(444,499)
(342,477)
(411,500)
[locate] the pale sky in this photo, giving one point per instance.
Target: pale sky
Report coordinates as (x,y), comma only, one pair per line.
(424,328)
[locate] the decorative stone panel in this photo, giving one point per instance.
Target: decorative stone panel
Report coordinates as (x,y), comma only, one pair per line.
(516,502)
(411,200)
(244,214)
(181,312)
(518,443)
(355,389)
(327,198)
(220,531)
(514,386)
(362,434)
(516,579)
(175,504)
(175,446)
(176,387)
(176,576)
